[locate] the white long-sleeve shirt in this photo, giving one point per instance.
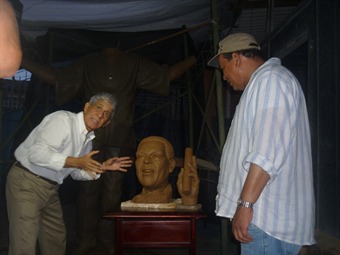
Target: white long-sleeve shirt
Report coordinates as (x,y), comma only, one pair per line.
(270,128)
(60,134)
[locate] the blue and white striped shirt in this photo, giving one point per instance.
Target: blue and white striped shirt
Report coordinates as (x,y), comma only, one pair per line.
(271,129)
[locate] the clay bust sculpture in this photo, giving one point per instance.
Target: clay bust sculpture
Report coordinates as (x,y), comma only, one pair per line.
(154,162)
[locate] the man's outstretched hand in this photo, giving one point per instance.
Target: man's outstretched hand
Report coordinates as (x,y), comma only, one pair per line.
(117,164)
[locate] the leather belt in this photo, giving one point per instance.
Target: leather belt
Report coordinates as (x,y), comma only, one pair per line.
(18,164)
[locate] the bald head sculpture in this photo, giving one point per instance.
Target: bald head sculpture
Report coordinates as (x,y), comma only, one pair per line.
(154,162)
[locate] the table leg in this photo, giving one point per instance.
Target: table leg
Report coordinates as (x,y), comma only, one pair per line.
(192,249)
(119,233)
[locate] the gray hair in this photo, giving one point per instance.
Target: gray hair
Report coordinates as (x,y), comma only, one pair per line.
(108,98)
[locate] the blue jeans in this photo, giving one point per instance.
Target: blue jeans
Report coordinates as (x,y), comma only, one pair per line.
(264,244)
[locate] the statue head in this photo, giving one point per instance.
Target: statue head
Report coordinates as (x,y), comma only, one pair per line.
(154,162)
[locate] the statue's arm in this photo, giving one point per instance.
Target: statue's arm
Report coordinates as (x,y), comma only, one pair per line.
(43,73)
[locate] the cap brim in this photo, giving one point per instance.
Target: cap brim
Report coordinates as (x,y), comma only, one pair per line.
(214,61)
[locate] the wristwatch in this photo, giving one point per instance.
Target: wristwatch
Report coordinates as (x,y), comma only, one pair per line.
(245,204)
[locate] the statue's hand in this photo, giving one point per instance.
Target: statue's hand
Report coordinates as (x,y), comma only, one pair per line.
(189,198)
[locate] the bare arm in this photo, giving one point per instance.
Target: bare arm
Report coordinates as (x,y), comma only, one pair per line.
(256,181)
(10,48)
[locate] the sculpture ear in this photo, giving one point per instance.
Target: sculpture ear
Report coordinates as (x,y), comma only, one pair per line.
(172,164)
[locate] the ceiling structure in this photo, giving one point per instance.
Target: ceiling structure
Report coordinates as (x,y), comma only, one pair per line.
(102,17)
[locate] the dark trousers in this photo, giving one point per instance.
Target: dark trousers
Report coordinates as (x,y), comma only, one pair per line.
(98,197)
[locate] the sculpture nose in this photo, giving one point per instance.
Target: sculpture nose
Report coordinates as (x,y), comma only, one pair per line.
(147,159)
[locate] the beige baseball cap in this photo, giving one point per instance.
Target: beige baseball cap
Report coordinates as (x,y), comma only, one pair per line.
(232,43)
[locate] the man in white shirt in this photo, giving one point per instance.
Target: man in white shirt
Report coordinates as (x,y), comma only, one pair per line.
(266,180)
(59,146)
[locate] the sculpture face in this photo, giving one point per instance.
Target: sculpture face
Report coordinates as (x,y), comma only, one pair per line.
(152,165)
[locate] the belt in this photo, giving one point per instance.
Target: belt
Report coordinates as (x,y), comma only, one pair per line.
(18,164)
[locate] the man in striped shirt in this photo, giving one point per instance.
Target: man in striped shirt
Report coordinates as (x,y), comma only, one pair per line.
(266,181)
